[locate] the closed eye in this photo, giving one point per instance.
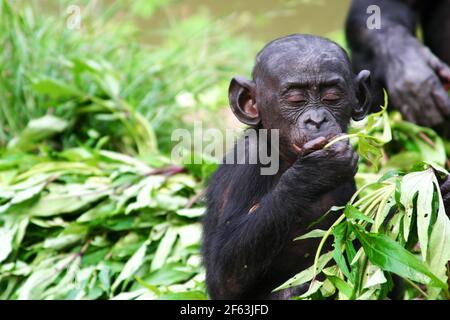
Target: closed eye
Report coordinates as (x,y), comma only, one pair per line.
(330,97)
(296,98)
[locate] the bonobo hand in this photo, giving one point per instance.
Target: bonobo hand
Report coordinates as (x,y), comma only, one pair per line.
(445,191)
(327,167)
(414,78)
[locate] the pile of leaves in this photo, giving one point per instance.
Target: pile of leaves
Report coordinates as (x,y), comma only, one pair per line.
(90,224)
(90,206)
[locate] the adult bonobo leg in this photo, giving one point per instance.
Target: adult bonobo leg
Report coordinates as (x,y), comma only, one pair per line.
(302,86)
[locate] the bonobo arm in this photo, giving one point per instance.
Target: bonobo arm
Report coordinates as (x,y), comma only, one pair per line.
(251,236)
(412,74)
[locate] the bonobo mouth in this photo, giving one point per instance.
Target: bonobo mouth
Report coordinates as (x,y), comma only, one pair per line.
(308,144)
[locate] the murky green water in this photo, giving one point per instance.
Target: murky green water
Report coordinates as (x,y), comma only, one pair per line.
(272,18)
(267,19)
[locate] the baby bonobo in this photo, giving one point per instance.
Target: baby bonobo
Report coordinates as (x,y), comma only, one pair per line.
(303,86)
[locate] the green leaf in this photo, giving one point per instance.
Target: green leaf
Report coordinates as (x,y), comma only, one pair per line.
(344,287)
(43,276)
(307,274)
(352,213)
(54,88)
(421,183)
(132,265)
(316,233)
(62,241)
(375,277)
(6,240)
(191,212)
(391,256)
(168,275)
(38,130)
(188,295)
(339,233)
(421,137)
(164,248)
(439,248)
(69,200)
(313,288)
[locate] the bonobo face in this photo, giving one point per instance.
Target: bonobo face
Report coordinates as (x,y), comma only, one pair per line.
(306,95)
(303,86)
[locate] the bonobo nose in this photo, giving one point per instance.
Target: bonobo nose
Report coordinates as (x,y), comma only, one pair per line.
(315,119)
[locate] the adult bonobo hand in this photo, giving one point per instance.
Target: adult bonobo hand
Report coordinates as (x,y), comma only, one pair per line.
(415,79)
(413,76)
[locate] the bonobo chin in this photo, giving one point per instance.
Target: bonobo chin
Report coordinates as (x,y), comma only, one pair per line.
(303,88)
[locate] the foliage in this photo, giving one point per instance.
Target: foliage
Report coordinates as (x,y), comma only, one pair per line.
(87,224)
(95,77)
(394,226)
(90,206)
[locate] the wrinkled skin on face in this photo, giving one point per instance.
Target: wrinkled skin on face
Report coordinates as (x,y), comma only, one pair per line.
(306,89)
(306,98)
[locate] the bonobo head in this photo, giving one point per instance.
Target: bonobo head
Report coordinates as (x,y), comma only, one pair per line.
(304,86)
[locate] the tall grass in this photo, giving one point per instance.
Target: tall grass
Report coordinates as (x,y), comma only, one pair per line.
(185,73)
(85,119)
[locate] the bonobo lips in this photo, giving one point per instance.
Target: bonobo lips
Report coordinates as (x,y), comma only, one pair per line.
(312,143)
(306,138)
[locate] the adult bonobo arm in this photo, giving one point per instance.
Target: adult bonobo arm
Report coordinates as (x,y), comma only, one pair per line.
(412,74)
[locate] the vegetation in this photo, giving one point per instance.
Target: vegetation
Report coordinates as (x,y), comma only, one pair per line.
(396,225)
(91,206)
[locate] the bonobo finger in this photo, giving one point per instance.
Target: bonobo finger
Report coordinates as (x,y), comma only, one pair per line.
(354,163)
(413,105)
(442,100)
(340,148)
(312,145)
(398,102)
(432,115)
(441,68)
(408,115)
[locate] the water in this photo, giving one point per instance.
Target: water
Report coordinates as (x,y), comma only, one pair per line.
(269,18)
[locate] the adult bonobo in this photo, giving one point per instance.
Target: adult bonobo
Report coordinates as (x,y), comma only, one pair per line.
(416,75)
(302,85)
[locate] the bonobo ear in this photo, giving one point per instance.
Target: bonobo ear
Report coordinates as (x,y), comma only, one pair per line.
(242,100)
(363,94)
